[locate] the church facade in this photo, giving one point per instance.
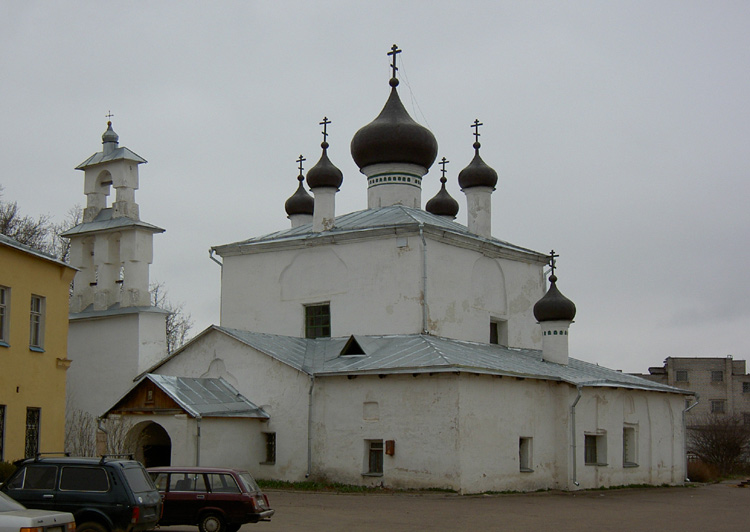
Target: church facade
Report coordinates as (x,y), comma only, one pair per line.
(394,346)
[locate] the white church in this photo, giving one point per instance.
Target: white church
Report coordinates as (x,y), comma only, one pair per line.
(387,347)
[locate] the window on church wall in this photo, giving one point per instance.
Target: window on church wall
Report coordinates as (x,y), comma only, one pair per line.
(36,323)
(33,418)
(4,315)
(270,447)
(499,332)
(525,455)
(717,376)
(629,447)
(595,449)
(318,321)
(374,457)
(681,375)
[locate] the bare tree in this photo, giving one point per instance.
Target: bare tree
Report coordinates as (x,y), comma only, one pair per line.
(720,440)
(179,323)
(118,440)
(80,433)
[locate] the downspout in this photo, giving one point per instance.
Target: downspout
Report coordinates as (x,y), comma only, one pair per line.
(424,278)
(100,426)
(684,434)
(198,441)
(573,433)
(309,426)
(211,256)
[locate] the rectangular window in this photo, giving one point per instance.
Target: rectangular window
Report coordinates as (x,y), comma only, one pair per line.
(33,416)
(681,375)
(717,376)
(499,332)
(4,315)
(75,478)
(629,447)
(746,387)
(222,483)
(524,455)
(2,433)
(374,457)
(718,406)
(595,449)
(36,334)
(187,482)
(270,447)
(318,321)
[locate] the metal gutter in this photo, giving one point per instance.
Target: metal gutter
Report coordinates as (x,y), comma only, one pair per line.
(424,279)
(573,434)
(309,426)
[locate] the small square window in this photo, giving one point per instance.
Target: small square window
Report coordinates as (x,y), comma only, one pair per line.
(270,447)
(718,406)
(681,375)
(595,449)
(499,332)
(524,455)
(318,321)
(717,376)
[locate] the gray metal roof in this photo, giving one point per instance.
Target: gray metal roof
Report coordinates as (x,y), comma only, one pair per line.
(206,397)
(11,243)
(104,221)
(116,154)
(392,217)
(430,354)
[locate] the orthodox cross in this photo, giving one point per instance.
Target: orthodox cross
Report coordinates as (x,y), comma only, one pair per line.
(476,125)
(552,258)
(300,163)
(442,163)
(393,52)
(109,116)
(324,123)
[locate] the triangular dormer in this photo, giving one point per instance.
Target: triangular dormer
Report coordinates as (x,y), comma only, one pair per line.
(352,348)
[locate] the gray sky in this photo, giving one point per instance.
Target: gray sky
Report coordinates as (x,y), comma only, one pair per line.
(620,131)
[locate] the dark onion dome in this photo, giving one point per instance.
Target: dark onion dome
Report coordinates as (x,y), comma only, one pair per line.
(300,202)
(394,137)
(110,135)
(477,174)
(443,203)
(554,306)
(324,173)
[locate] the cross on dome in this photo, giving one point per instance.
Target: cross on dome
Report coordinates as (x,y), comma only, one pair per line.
(394,51)
(552,257)
(476,125)
(442,163)
(325,123)
(300,160)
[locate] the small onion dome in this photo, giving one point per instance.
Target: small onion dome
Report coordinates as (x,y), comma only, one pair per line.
(554,306)
(300,202)
(477,174)
(394,137)
(442,204)
(110,135)
(324,173)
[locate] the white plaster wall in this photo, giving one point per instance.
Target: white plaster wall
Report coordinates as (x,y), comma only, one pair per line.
(277,388)
(418,413)
(107,354)
(375,287)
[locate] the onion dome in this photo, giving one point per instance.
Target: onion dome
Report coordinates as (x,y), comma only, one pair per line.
(324,173)
(443,204)
(477,174)
(301,202)
(394,137)
(110,135)
(554,306)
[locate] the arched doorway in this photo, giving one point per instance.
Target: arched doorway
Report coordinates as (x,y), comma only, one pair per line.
(153,446)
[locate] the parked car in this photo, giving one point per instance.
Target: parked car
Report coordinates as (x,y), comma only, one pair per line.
(14,517)
(104,495)
(214,499)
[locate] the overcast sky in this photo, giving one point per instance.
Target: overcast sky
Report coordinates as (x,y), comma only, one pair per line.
(620,132)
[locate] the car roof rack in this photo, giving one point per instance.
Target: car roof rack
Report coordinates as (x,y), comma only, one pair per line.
(105,457)
(37,456)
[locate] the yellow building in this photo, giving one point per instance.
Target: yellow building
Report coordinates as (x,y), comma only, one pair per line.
(34,290)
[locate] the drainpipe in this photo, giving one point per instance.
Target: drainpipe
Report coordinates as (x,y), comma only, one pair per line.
(573,434)
(684,434)
(424,279)
(211,256)
(100,426)
(309,426)
(198,441)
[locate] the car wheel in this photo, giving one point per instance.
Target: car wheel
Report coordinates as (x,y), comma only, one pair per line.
(233,528)
(212,523)
(91,526)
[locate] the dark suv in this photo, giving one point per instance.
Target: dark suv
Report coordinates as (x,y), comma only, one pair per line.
(104,495)
(216,499)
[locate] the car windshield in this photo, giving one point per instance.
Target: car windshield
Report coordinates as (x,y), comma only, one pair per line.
(138,479)
(249,481)
(8,505)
